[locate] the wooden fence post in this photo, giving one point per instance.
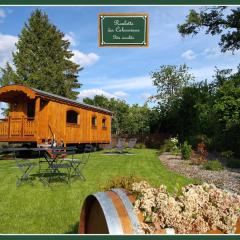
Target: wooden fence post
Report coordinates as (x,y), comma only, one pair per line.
(9,128)
(22,133)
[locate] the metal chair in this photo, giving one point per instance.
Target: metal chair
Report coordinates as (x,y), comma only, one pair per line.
(79,164)
(25,167)
(132,142)
(120,145)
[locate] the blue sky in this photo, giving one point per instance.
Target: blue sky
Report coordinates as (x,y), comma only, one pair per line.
(122,72)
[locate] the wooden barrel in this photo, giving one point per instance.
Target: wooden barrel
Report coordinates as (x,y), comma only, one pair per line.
(112,212)
(108,212)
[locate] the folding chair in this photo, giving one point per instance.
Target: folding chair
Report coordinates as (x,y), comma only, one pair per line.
(120,145)
(25,167)
(132,142)
(79,164)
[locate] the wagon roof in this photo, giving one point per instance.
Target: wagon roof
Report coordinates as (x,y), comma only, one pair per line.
(15,87)
(64,99)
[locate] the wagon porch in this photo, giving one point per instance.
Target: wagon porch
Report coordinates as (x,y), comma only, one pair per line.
(17,129)
(20,124)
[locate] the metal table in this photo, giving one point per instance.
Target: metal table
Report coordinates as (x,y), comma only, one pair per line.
(53,159)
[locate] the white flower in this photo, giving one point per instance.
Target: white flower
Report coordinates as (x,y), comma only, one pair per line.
(199,209)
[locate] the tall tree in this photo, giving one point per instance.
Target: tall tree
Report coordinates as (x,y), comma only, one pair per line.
(43,59)
(169,81)
(227,102)
(216,21)
(138,120)
(8,75)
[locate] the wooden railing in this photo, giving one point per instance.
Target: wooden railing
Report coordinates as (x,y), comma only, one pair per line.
(17,127)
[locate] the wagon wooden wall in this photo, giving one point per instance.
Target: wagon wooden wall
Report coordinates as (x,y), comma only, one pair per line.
(37,116)
(53,121)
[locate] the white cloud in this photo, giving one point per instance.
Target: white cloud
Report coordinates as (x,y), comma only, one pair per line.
(208,72)
(7,46)
(189,55)
(2,14)
(84,59)
(145,96)
(120,94)
(215,52)
(71,38)
(203,73)
(79,57)
(209,53)
(90,93)
(121,84)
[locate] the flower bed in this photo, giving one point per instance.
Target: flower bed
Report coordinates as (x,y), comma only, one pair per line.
(196,209)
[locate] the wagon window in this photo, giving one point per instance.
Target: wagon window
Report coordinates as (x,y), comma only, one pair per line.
(31,109)
(94,121)
(104,123)
(72,117)
(43,104)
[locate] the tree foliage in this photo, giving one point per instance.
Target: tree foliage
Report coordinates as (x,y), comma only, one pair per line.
(8,75)
(138,119)
(209,112)
(197,111)
(126,119)
(227,103)
(216,109)
(118,107)
(216,21)
(43,59)
(169,81)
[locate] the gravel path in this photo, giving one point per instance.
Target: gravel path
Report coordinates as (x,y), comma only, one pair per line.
(226,179)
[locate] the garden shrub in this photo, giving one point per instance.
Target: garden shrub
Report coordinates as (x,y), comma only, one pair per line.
(173,144)
(233,163)
(202,151)
(176,151)
(125,145)
(227,154)
(199,157)
(170,145)
(121,182)
(213,165)
(194,140)
(163,148)
(140,146)
(186,150)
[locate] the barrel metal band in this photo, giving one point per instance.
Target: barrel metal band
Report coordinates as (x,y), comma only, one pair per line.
(129,207)
(110,212)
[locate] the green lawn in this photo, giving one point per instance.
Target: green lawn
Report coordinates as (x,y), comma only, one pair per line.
(39,209)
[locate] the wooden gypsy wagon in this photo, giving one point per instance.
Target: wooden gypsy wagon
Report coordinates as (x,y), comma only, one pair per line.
(38,117)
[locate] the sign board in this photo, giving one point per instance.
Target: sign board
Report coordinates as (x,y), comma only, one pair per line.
(123,30)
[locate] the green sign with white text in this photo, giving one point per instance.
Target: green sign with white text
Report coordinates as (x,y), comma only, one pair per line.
(125,30)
